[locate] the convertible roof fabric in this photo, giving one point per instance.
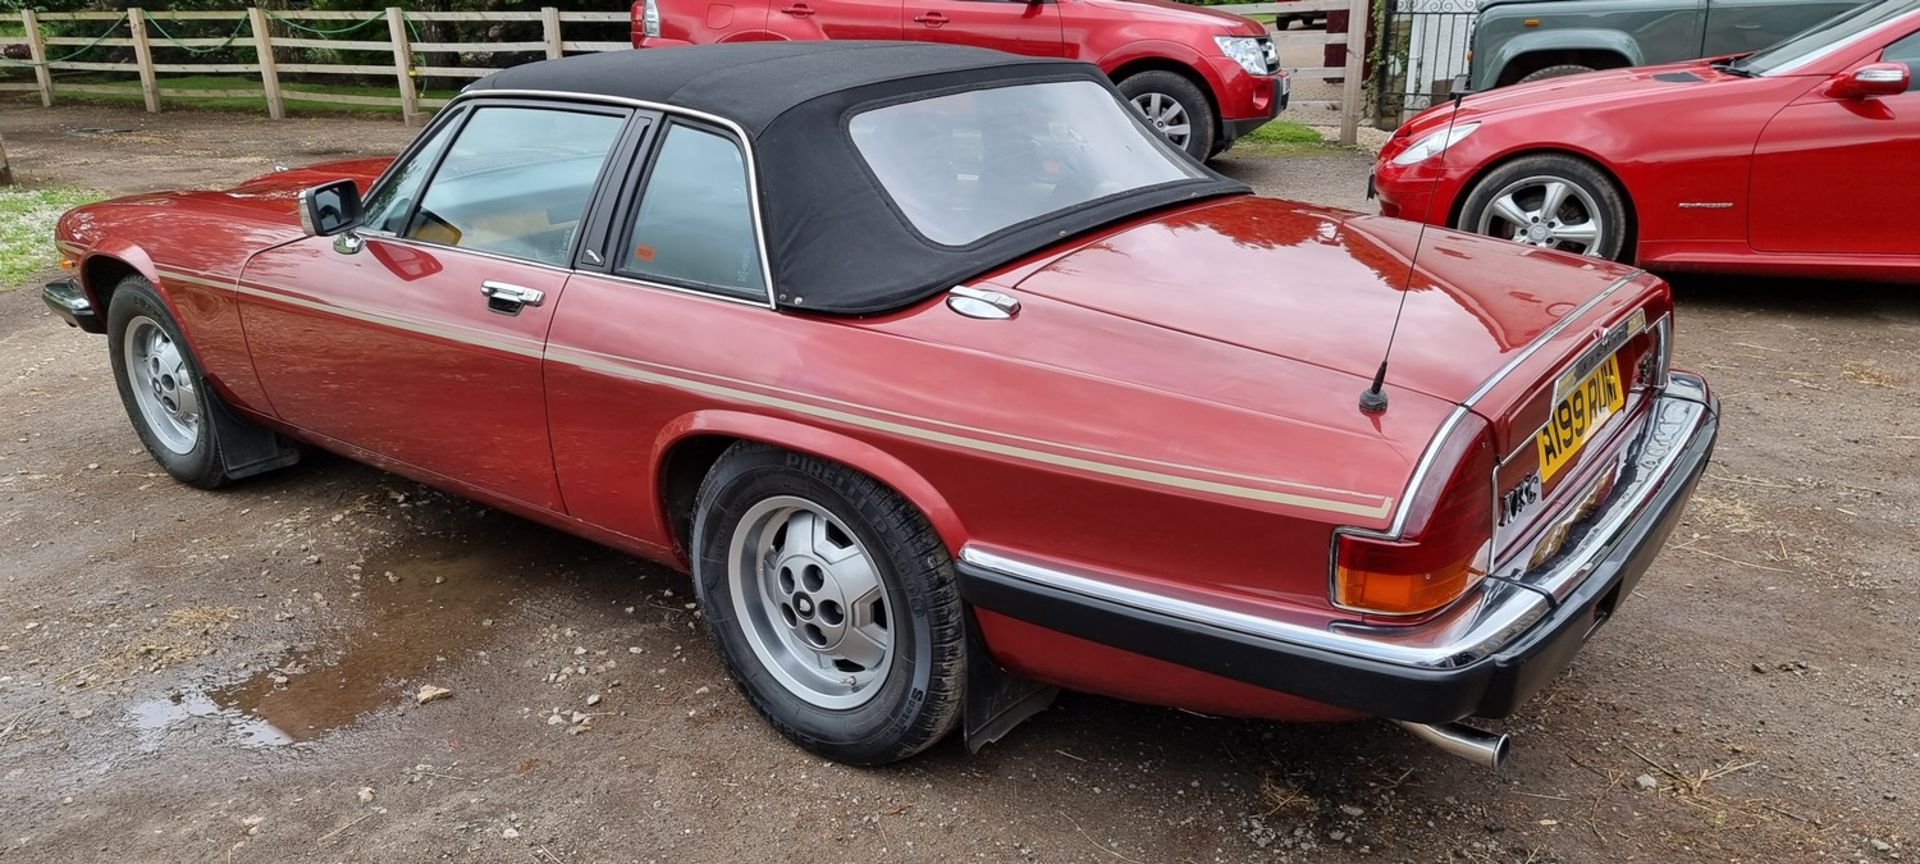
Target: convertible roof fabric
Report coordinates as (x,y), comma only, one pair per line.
(835,241)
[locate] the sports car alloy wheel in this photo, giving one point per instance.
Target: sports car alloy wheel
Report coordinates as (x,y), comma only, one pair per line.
(1548,212)
(811,602)
(1164,114)
(163,385)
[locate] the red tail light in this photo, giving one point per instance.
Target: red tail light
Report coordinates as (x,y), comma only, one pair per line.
(1446,545)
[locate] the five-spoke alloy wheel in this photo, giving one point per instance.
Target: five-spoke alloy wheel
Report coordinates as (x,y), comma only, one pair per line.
(1551,202)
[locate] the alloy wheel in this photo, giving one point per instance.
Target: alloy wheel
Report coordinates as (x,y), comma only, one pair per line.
(163,385)
(1547,212)
(1163,113)
(810,600)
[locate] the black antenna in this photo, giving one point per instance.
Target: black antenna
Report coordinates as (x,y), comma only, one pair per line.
(1373,400)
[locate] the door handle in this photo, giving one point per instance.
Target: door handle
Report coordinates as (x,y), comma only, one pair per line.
(798,10)
(508,299)
(931,19)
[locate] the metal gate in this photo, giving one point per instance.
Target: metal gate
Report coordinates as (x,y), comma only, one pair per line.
(1422,46)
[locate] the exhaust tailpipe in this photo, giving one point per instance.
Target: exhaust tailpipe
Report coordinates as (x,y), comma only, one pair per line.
(1483,748)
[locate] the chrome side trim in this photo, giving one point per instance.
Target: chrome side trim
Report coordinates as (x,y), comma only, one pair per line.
(740,133)
(1421,469)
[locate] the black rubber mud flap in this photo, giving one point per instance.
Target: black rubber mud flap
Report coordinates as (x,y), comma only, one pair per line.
(997,700)
(245,449)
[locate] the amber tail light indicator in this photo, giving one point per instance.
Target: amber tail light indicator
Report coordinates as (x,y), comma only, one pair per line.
(1446,546)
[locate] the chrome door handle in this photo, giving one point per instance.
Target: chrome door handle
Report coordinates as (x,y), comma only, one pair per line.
(507,298)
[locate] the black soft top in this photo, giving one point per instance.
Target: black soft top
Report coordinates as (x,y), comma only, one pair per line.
(835,242)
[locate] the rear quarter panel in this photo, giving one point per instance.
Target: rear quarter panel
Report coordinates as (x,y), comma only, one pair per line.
(1196,493)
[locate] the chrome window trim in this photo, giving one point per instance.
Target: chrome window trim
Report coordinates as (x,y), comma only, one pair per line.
(430,245)
(636,282)
(740,135)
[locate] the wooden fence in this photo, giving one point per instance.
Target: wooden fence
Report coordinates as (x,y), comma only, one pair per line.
(1349,106)
(257,26)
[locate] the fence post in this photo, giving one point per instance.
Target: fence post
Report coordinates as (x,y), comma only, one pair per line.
(143,55)
(403,65)
(1359,21)
(269,73)
(550,25)
(36,44)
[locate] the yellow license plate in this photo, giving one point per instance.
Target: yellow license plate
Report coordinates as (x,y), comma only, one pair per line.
(1582,410)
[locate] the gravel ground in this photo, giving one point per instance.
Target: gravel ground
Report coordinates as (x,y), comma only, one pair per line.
(189,676)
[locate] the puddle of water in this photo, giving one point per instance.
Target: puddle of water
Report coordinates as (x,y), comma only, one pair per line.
(155,718)
(434,615)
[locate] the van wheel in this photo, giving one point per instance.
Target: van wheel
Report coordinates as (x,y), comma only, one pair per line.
(832,603)
(1559,71)
(1174,107)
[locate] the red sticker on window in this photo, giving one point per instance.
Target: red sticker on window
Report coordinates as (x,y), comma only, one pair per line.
(644,253)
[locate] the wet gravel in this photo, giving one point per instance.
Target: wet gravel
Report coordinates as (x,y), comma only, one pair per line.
(195,676)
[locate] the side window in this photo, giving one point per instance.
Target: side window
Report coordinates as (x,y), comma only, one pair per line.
(387,209)
(695,223)
(516,182)
(1907,51)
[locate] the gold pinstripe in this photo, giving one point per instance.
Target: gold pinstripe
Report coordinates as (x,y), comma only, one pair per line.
(1299,495)
(624,369)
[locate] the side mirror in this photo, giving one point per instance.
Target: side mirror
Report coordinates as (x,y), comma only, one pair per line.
(1869,81)
(330,208)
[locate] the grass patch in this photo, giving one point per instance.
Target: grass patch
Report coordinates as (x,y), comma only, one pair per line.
(1282,138)
(1285,132)
(27,217)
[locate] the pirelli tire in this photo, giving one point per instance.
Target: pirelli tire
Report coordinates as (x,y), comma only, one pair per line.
(832,602)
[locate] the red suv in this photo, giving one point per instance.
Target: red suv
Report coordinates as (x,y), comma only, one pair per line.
(1203,78)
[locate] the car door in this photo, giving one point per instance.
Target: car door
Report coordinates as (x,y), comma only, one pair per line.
(1855,160)
(1030,27)
(419,337)
(682,286)
(835,19)
(1739,26)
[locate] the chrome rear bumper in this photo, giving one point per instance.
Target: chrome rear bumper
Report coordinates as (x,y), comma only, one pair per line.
(1482,657)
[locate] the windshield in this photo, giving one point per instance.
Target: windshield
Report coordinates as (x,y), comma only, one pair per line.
(966,165)
(1814,42)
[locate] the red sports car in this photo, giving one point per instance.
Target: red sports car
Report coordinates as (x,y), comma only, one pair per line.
(1745,164)
(946,377)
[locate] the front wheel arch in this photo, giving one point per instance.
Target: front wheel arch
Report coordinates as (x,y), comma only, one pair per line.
(1632,236)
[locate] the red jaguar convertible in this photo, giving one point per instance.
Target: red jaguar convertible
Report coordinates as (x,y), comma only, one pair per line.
(1734,164)
(948,380)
